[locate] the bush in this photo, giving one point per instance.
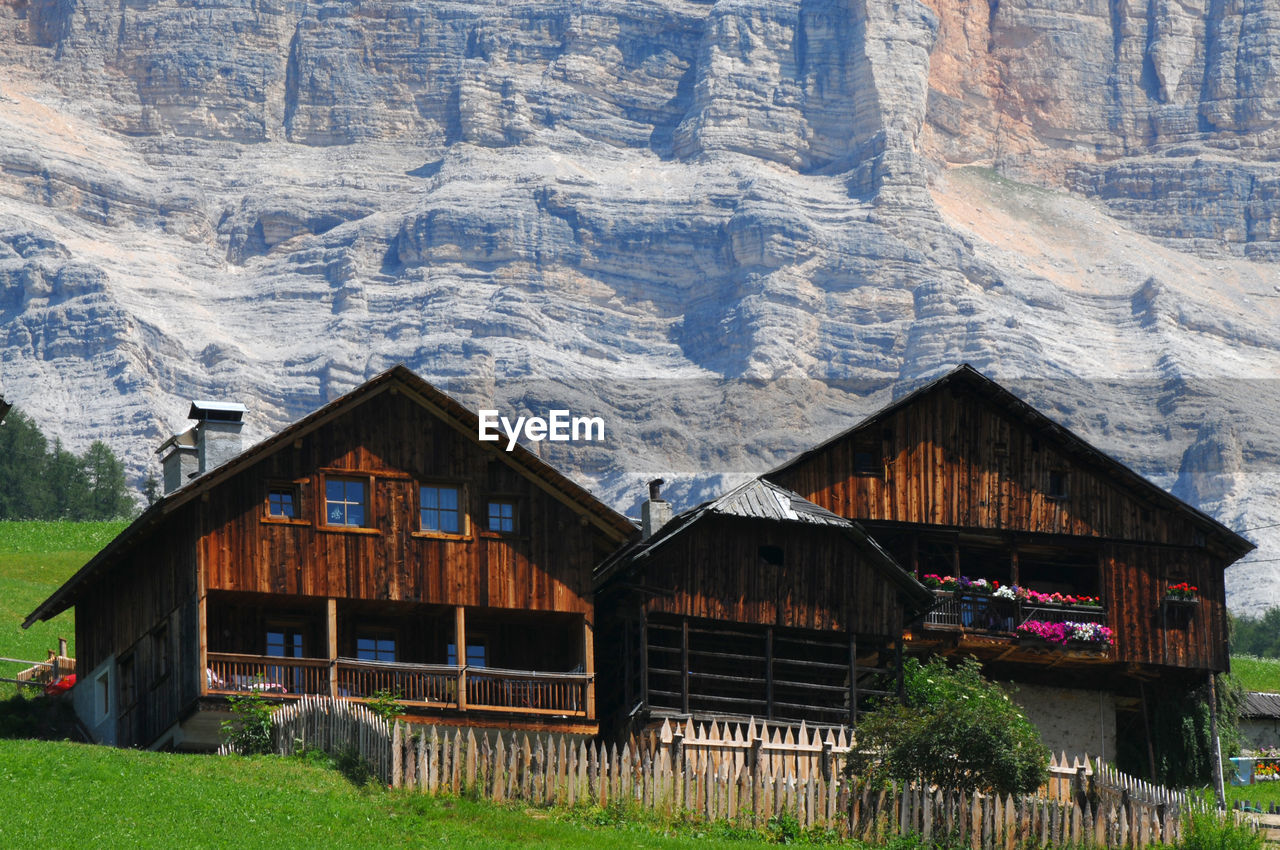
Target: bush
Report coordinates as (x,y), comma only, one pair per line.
(248,732)
(957,730)
(1208,829)
(386,704)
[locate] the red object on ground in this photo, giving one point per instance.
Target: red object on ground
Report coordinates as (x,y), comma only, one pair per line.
(64,684)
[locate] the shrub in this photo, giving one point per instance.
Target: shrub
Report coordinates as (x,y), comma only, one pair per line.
(1208,829)
(386,704)
(957,730)
(248,732)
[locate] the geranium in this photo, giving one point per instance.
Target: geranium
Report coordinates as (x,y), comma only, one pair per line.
(1182,591)
(1061,633)
(1009,591)
(937,582)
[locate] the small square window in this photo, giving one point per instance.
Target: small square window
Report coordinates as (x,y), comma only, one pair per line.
(438,509)
(282,502)
(1057,484)
(502,516)
(346,501)
(376,647)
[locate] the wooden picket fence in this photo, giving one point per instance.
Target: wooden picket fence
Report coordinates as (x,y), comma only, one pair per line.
(743,773)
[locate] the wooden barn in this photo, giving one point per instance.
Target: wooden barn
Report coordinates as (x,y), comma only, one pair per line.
(377,544)
(1057,566)
(758,603)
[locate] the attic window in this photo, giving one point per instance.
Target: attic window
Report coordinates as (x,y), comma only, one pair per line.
(771,555)
(282,502)
(346,501)
(867,457)
(1057,488)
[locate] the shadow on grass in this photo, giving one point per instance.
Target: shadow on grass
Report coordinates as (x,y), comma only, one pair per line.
(40,717)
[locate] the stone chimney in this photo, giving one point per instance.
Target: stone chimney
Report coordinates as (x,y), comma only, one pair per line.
(213,441)
(655,512)
(178,458)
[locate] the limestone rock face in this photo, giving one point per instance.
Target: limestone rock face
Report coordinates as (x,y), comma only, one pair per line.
(731,228)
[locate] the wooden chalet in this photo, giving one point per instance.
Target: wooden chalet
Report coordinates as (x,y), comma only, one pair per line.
(758,603)
(963,481)
(375,544)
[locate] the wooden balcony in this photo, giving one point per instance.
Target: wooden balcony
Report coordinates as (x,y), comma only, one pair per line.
(991,615)
(430,686)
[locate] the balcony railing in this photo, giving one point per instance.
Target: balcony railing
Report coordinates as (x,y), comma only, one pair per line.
(425,685)
(432,684)
(234,673)
(513,690)
(980,613)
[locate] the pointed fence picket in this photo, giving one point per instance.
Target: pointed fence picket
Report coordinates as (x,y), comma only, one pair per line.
(739,772)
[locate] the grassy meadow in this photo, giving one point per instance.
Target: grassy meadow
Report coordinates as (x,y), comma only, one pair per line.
(1257,674)
(35,559)
(61,794)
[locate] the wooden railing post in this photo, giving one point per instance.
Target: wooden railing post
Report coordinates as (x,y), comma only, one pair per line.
(331,635)
(460,647)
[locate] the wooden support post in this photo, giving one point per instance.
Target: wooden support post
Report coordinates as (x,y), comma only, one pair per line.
(1217,745)
(589,666)
(202,650)
(768,672)
(1146,727)
(460,654)
(628,662)
(684,665)
(331,637)
(853,679)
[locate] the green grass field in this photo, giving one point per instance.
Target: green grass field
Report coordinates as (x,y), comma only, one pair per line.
(1257,674)
(72,795)
(35,559)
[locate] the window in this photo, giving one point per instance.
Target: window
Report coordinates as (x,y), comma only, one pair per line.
(438,509)
(1057,484)
(282,502)
(375,646)
(103,701)
(284,642)
(475,655)
(345,501)
(502,516)
(771,555)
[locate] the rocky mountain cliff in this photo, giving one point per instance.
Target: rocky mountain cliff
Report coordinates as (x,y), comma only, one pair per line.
(730,228)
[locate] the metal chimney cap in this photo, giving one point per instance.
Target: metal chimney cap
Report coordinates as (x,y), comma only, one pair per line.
(655,487)
(217,411)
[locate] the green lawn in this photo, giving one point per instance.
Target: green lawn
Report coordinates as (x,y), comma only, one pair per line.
(73,795)
(1257,674)
(35,559)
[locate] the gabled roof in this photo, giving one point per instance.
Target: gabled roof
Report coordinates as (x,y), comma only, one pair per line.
(765,501)
(1070,443)
(1260,705)
(615,526)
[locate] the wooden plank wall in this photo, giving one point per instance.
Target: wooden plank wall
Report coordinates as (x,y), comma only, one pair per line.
(715,570)
(1149,632)
(118,616)
(954,459)
(546,565)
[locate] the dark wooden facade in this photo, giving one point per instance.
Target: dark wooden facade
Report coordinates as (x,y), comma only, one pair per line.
(962,478)
(725,614)
(474,626)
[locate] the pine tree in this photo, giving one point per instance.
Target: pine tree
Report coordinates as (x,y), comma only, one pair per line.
(24,493)
(108,495)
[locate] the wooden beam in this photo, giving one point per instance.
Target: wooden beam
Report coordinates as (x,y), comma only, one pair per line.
(460,649)
(684,665)
(589,665)
(644,659)
(331,637)
(853,679)
(768,670)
